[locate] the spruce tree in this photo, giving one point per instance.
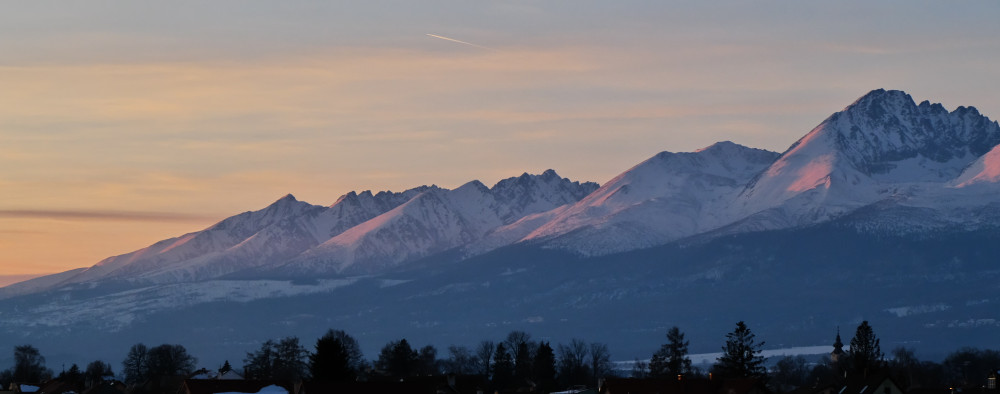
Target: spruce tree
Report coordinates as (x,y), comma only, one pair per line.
(337,357)
(866,356)
(225,368)
(330,362)
(544,368)
(397,359)
(522,363)
(741,356)
(672,358)
(503,367)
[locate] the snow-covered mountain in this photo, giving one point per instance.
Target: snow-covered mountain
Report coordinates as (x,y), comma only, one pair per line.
(884,154)
(380,230)
(667,197)
(436,221)
(278,232)
(884,146)
(886,198)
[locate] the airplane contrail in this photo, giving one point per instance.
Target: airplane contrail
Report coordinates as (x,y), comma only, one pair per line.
(462,42)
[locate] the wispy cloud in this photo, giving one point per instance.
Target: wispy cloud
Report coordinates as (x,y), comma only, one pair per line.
(84,215)
(461,42)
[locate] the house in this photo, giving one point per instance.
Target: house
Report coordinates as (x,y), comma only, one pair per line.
(57,386)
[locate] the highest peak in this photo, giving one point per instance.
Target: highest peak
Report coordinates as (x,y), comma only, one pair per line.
(882,95)
(887,99)
(881,103)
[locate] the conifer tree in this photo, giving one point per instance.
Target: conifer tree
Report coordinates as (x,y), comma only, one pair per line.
(397,359)
(225,368)
(741,356)
(337,357)
(672,358)
(503,367)
(866,356)
(544,368)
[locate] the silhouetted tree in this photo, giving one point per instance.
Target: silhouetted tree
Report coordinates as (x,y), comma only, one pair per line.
(519,344)
(6,378)
(97,371)
(134,367)
(640,369)
(741,355)
(397,359)
(337,357)
(544,368)
(282,360)
(503,367)
(514,341)
(225,368)
(672,358)
(290,363)
(865,355)
(163,366)
(169,360)
(73,377)
(484,356)
(825,372)
(968,367)
(29,365)
(258,364)
(573,369)
(427,362)
(903,366)
(789,373)
(461,361)
(600,362)
(523,359)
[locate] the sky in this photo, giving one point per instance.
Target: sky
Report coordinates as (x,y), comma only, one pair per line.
(125,123)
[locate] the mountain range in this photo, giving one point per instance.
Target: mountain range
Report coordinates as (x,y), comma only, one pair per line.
(888,207)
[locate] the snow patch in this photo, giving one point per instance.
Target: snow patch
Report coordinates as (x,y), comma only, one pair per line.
(904,311)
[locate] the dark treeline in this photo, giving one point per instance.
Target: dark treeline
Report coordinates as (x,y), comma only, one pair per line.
(517,362)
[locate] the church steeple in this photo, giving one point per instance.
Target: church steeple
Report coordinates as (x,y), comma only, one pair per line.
(838,348)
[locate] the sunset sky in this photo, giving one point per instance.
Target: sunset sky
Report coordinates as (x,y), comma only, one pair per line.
(124,123)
